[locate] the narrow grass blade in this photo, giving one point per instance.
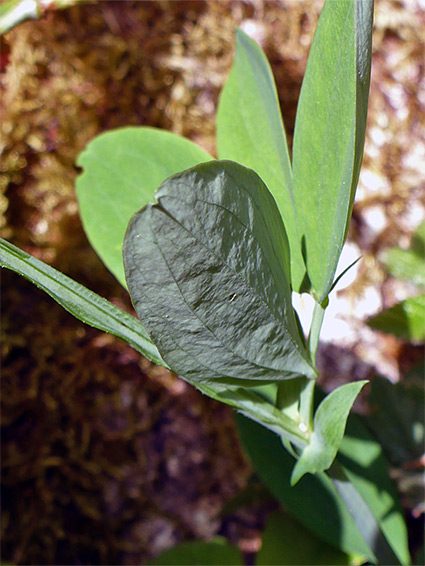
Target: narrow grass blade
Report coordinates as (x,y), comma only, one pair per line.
(85,305)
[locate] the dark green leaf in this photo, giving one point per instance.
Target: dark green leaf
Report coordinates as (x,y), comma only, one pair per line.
(199,554)
(122,170)
(397,417)
(250,131)
(286,541)
(313,501)
(208,273)
(405,320)
(329,135)
(329,426)
(100,313)
(79,301)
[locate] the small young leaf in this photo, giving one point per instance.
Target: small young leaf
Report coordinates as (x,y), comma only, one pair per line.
(80,301)
(121,171)
(250,131)
(329,135)
(329,426)
(208,272)
(314,501)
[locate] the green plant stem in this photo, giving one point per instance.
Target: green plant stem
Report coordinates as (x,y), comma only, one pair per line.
(307,394)
(316,325)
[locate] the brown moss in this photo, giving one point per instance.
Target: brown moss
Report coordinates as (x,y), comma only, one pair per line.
(98,444)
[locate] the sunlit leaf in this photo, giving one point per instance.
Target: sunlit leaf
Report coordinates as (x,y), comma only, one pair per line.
(250,131)
(329,135)
(122,169)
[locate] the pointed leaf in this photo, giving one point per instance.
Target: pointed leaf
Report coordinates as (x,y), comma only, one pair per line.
(207,268)
(79,301)
(100,313)
(329,426)
(329,135)
(313,501)
(250,131)
(121,171)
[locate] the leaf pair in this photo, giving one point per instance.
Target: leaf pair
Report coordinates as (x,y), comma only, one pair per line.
(315,196)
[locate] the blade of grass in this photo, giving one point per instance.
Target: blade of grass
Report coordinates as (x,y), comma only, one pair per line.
(84,304)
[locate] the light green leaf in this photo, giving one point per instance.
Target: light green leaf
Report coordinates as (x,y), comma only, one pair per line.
(329,426)
(329,135)
(286,541)
(250,131)
(405,320)
(79,301)
(408,265)
(207,269)
(198,553)
(121,171)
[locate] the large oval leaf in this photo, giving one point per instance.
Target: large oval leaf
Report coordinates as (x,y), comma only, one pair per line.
(329,135)
(208,272)
(122,170)
(250,131)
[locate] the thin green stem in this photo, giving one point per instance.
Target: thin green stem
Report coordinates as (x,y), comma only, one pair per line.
(307,395)
(316,325)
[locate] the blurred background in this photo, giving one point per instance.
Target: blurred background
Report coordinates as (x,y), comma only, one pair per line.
(107,459)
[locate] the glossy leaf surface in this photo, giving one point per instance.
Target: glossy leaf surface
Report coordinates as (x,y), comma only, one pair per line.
(85,305)
(122,169)
(208,272)
(329,135)
(329,426)
(250,131)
